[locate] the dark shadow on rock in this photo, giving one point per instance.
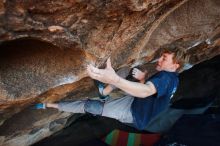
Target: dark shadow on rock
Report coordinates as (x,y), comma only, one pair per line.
(86,128)
(198,85)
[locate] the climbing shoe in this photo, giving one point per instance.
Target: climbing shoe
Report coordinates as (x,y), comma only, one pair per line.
(40,106)
(101,87)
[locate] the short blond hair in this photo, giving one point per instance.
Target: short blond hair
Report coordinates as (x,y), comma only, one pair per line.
(179,56)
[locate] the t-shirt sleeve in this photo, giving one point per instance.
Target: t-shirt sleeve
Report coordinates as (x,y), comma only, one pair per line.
(161,82)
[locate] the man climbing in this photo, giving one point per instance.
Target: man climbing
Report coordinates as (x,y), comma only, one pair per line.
(144,101)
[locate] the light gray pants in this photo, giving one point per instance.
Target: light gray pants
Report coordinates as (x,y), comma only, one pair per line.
(119,108)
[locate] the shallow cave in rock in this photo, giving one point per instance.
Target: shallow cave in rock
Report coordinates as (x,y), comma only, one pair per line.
(30,67)
(35,71)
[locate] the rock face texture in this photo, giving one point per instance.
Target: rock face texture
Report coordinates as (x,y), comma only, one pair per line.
(46,45)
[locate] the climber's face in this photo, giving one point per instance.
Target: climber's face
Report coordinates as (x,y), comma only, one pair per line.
(166,63)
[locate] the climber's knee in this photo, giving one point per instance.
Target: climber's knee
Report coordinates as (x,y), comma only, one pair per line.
(94,107)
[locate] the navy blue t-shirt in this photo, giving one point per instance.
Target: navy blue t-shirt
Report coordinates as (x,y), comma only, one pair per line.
(144,109)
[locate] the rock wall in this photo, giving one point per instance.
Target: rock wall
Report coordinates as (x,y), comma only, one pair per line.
(45,46)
